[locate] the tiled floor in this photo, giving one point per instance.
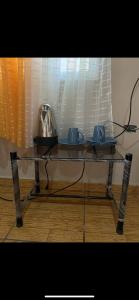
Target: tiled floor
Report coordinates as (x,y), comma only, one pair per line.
(66,222)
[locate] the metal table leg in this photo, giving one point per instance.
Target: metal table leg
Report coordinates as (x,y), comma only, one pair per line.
(37,177)
(37,173)
(16,187)
(109,182)
(123,199)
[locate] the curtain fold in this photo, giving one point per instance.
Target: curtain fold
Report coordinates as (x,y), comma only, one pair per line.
(33,90)
(12,100)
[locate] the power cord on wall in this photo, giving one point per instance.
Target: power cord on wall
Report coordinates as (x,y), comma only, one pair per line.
(128,127)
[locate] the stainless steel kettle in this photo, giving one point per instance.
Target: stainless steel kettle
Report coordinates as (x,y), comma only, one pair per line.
(47,122)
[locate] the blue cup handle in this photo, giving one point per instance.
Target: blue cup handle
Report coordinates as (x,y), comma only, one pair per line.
(82,136)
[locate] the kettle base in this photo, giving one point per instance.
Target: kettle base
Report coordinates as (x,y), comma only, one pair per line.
(44,141)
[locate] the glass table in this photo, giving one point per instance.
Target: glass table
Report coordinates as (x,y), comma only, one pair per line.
(84,153)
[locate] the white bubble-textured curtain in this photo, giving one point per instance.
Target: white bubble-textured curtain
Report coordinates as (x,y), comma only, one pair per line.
(78,89)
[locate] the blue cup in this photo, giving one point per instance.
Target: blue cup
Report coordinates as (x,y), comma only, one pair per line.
(75,136)
(99,134)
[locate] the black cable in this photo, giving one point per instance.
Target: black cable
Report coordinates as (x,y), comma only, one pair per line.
(118,124)
(132,99)
(69,184)
(47,185)
(48,151)
(9,200)
(5,199)
(130,111)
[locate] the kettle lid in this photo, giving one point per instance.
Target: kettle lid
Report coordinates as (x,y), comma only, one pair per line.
(45,107)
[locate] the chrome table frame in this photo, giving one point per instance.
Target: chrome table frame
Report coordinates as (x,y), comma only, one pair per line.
(19,205)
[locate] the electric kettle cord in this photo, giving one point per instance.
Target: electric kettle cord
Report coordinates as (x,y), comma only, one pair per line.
(71,183)
(5,199)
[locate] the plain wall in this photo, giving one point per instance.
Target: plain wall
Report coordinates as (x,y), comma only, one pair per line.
(125,71)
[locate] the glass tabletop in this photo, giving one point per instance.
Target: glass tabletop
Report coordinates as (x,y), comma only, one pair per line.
(67,152)
(72,209)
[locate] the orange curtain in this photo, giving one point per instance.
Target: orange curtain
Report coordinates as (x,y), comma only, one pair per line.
(12,100)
